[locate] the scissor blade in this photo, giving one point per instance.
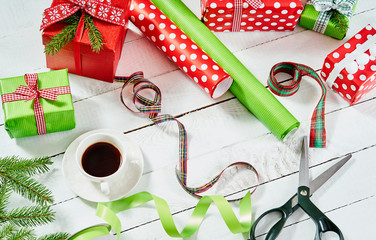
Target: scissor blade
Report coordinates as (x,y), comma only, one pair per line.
(323,177)
(304,169)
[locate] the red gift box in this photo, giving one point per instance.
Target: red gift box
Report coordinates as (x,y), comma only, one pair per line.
(80,58)
(251,15)
(350,70)
(185,53)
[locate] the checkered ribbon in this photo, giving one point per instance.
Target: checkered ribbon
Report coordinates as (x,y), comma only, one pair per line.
(31,92)
(317,130)
(238,12)
(100,9)
(152,107)
(326,8)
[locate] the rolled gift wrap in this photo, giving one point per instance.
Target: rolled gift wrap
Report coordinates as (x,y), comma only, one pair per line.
(245,87)
(179,48)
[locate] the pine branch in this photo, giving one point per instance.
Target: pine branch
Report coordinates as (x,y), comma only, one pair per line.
(24,234)
(4,195)
(73,19)
(28,188)
(95,36)
(55,236)
(25,166)
(6,230)
(340,22)
(61,39)
(29,216)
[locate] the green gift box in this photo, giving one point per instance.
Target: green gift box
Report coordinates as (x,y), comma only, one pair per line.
(44,107)
(329,17)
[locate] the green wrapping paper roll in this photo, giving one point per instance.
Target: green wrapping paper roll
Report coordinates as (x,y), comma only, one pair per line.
(250,92)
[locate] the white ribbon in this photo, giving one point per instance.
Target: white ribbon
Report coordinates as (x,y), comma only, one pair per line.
(338,67)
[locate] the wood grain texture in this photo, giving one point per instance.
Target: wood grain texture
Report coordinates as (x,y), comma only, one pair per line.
(220,131)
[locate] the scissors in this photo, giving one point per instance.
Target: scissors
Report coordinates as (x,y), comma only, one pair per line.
(301,199)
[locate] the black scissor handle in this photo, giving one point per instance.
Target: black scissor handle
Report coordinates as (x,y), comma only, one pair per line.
(285,210)
(323,223)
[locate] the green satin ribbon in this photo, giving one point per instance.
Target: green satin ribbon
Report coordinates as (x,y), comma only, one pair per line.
(92,232)
(250,92)
(107,211)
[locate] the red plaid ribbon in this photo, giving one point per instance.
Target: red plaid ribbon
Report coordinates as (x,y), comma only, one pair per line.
(238,12)
(31,92)
(153,108)
(317,131)
(100,9)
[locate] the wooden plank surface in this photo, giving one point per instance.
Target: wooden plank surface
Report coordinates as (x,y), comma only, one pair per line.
(220,131)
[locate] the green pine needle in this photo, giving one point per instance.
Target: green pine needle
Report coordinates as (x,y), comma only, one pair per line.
(340,22)
(95,36)
(4,195)
(6,230)
(67,34)
(28,188)
(29,216)
(26,166)
(15,175)
(55,236)
(24,234)
(73,19)
(61,39)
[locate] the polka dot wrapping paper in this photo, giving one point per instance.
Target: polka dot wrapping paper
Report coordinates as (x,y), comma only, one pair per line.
(185,53)
(240,15)
(350,70)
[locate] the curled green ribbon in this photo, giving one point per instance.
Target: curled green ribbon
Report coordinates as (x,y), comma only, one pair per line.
(107,211)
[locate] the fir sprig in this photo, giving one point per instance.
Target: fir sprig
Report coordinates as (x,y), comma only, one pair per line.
(29,216)
(95,36)
(340,22)
(68,33)
(15,176)
(4,195)
(55,236)
(28,167)
(25,233)
(28,187)
(6,231)
(61,39)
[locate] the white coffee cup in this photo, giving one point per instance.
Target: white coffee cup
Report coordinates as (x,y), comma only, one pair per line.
(96,157)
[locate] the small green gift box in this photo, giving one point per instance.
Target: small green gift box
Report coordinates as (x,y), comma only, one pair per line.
(36,104)
(329,17)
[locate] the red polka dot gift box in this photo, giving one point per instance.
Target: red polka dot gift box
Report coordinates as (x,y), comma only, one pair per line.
(250,15)
(176,45)
(350,70)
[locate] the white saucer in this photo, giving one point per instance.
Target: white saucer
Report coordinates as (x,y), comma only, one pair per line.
(89,190)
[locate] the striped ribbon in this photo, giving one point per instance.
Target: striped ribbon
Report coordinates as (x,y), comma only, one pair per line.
(31,92)
(238,12)
(317,130)
(153,108)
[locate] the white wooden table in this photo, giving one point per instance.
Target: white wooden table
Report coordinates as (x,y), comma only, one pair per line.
(220,131)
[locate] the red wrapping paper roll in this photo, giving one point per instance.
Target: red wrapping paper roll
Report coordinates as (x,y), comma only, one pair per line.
(179,48)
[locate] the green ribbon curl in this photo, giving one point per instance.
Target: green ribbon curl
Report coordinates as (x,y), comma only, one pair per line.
(107,211)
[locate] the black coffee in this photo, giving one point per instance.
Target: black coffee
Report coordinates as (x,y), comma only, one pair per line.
(101,159)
